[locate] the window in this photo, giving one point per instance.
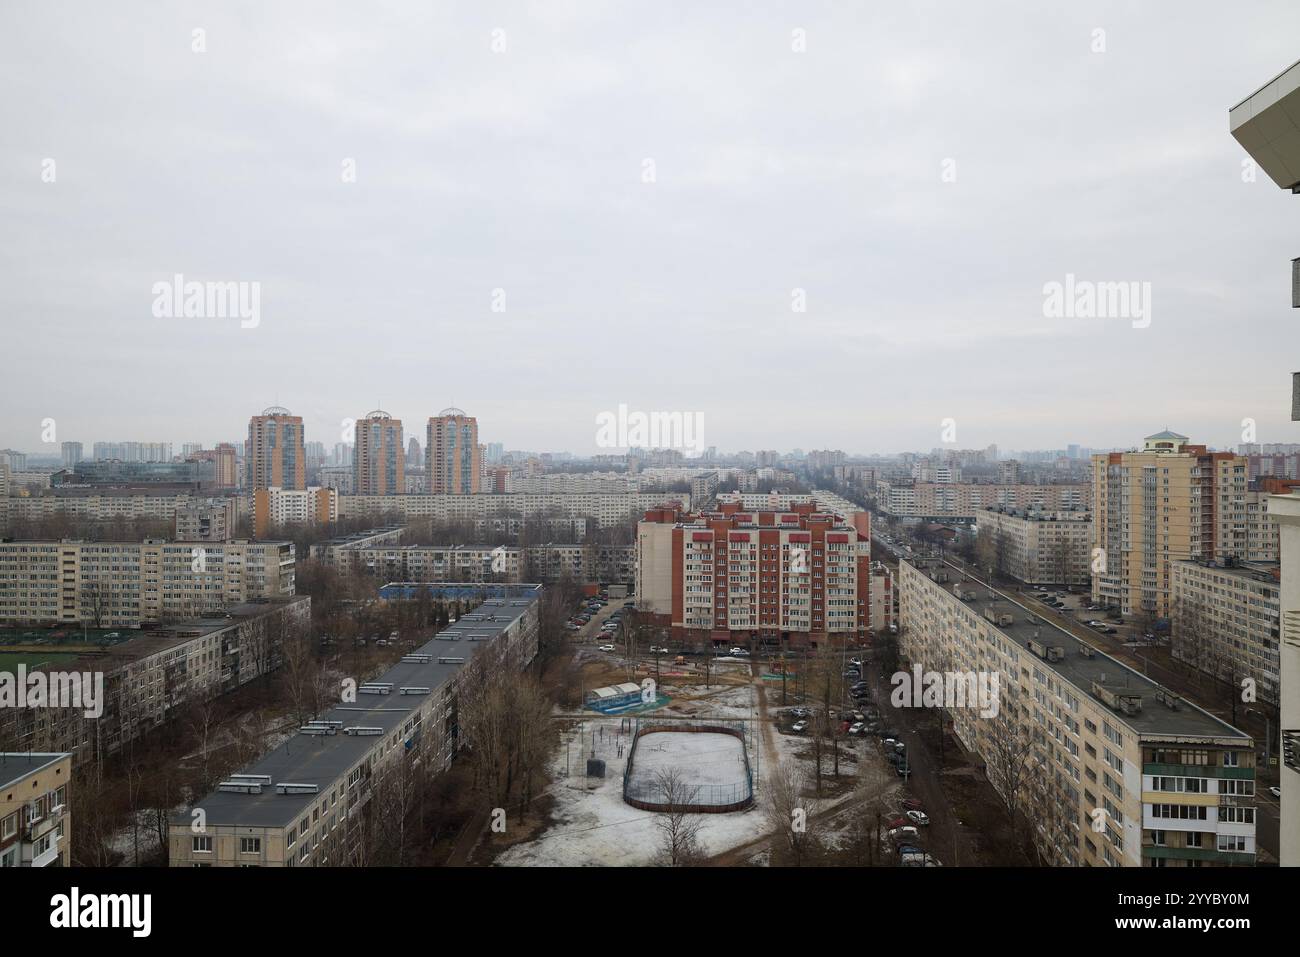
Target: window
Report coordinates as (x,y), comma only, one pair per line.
(250,845)
(201,845)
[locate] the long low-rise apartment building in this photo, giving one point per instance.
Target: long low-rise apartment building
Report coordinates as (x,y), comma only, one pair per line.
(1227,622)
(109,504)
(309,802)
(147,679)
(126,584)
(1108,767)
(960,501)
(609,510)
(1044,548)
(793,576)
(505,563)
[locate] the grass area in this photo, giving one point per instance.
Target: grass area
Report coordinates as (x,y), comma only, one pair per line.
(9,661)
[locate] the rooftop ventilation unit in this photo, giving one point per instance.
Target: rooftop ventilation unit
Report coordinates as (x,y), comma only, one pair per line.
(417,659)
(1168,699)
(449,636)
(1125,701)
(285,787)
(1087,650)
(376,688)
(451,661)
(240,787)
(414,689)
(254,778)
(316,730)
(360,730)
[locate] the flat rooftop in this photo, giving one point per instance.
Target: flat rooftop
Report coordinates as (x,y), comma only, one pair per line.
(1155,719)
(1263,572)
(16,765)
(324,759)
(106,650)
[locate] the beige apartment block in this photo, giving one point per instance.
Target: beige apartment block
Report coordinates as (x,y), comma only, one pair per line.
(125,584)
(947,501)
(1227,623)
(153,676)
(1171,501)
(1044,548)
(1108,767)
(608,510)
(35,823)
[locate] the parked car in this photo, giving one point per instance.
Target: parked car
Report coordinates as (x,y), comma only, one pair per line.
(799,727)
(1276,792)
(918,817)
(912,804)
(606,647)
(903,770)
(908,833)
(855,728)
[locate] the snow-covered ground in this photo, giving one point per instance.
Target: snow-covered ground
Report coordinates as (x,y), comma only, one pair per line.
(593,826)
(711,766)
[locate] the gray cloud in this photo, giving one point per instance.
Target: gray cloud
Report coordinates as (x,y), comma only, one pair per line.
(522,170)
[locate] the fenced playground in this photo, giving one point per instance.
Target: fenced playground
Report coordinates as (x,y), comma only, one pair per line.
(709,758)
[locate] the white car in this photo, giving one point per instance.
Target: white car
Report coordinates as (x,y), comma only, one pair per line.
(855,728)
(799,727)
(918,817)
(606,648)
(1276,792)
(907,833)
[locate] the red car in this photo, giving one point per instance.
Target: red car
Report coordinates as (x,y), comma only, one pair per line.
(912,804)
(898,822)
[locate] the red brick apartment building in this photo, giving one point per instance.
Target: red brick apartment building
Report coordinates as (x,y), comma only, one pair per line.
(794,577)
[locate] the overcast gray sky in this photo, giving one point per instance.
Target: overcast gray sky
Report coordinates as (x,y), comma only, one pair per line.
(522,170)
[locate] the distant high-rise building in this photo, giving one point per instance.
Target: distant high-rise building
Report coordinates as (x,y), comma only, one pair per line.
(379,463)
(451,454)
(226,460)
(71,454)
(413,455)
(189,448)
(17,461)
(1171,501)
(275,454)
(496,451)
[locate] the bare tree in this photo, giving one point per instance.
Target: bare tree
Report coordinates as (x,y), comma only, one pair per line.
(1009,758)
(790,812)
(679,825)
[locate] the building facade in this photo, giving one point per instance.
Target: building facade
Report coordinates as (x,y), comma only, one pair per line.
(35,823)
(1045,548)
(1108,768)
(126,584)
(152,678)
(309,801)
(1226,622)
(452,460)
(275,454)
(1171,501)
(277,507)
(379,460)
(959,501)
(794,576)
